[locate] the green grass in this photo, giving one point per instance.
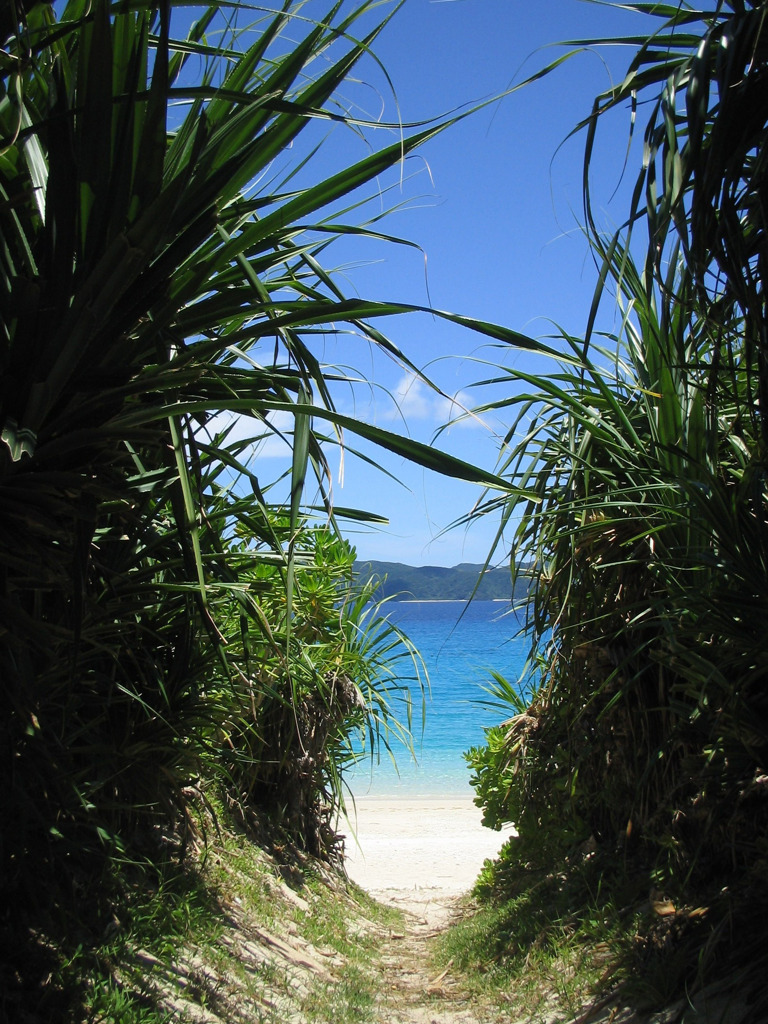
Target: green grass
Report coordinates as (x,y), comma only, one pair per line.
(351,1001)
(328,920)
(173,932)
(347,920)
(536,946)
(549,945)
(106,974)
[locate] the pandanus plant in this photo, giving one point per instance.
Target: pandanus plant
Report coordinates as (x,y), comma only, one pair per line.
(648,533)
(164,227)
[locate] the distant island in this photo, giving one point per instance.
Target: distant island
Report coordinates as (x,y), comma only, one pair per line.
(439,583)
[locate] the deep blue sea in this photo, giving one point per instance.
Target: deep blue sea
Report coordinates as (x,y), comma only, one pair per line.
(459,652)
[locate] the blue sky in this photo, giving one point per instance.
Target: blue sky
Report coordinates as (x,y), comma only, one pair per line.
(495,206)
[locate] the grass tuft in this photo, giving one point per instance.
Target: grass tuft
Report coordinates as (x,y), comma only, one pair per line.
(537,944)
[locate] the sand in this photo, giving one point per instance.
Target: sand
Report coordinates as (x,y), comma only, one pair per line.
(418,848)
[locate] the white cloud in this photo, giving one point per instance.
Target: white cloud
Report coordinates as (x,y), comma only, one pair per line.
(264,437)
(415,400)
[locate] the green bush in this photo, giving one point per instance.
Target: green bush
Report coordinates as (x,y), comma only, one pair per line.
(640,501)
(317,687)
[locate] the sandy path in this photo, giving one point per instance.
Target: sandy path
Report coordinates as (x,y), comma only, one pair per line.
(418,846)
(421,856)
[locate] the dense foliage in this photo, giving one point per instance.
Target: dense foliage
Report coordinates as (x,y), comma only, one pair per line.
(647,738)
(343,683)
(168,615)
(166,621)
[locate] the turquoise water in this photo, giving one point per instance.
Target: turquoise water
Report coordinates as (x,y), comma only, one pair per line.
(459,654)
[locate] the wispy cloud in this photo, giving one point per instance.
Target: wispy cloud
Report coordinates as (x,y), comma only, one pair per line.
(414,400)
(265,438)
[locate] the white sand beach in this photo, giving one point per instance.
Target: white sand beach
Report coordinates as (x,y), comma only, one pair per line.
(424,848)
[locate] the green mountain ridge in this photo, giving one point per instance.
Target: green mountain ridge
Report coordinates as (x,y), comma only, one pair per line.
(402,582)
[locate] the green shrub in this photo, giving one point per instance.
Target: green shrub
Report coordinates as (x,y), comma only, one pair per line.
(317,688)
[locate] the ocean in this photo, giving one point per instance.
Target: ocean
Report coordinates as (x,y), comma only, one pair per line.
(460,652)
